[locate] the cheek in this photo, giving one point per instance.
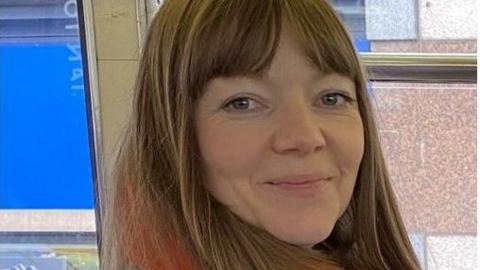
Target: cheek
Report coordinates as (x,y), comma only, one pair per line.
(349,152)
(349,146)
(231,152)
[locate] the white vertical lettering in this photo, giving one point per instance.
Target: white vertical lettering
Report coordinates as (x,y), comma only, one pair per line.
(76,50)
(70,10)
(76,74)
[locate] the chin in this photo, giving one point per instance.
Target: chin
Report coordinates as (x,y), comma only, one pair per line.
(306,237)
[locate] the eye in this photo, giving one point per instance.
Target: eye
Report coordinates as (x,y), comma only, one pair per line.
(241,104)
(335,99)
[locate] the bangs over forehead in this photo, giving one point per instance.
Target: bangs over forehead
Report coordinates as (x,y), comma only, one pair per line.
(240,37)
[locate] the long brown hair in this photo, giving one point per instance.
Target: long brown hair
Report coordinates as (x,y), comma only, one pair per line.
(158,215)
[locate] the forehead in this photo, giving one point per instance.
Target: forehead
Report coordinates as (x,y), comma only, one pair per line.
(290,61)
(291,65)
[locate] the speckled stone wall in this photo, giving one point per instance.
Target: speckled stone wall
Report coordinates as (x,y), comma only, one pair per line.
(428,134)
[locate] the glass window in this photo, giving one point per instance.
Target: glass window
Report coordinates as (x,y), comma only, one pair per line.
(47,218)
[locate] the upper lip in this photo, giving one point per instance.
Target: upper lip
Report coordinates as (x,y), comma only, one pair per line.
(298,179)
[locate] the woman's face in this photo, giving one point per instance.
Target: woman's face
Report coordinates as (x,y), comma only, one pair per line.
(282,150)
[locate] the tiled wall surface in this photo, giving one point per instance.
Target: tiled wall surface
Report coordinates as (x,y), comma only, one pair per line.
(447,19)
(117,47)
(426,26)
(451,252)
(428,134)
(391,20)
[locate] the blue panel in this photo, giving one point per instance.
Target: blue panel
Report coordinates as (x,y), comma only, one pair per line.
(44,146)
(362,45)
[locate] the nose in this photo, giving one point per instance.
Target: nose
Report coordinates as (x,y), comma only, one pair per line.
(298,131)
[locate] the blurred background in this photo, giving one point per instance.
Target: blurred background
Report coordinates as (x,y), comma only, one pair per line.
(67,69)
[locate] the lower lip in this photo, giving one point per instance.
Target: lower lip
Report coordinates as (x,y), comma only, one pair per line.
(302,189)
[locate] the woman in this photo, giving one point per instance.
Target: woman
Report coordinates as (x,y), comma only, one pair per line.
(252,145)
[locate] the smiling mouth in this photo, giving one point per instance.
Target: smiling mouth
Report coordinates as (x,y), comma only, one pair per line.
(307,188)
(299,179)
(298,183)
